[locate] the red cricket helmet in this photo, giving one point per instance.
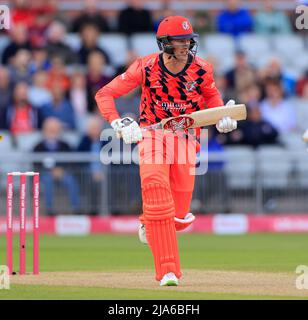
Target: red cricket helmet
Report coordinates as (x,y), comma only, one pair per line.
(174,28)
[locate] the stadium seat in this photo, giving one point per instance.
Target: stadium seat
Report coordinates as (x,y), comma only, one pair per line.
(301,61)
(73,41)
(218,45)
(144,43)
(301,112)
(254,46)
(260,61)
(27,141)
(116,47)
(275,167)
(301,169)
(10,164)
(72,138)
(6,142)
(288,45)
(240,167)
(293,141)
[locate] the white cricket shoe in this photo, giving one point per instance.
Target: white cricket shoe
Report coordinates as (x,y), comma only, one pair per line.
(142,234)
(169,279)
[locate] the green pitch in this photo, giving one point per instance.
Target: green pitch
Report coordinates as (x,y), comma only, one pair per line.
(269,253)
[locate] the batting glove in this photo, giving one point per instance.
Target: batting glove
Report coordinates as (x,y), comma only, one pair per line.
(128,129)
(227,124)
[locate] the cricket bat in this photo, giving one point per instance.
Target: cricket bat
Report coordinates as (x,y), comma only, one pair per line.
(200,118)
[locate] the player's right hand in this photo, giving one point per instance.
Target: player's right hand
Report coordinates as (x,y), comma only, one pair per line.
(128,129)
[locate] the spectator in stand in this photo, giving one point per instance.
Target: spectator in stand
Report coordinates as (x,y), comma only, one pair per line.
(251,96)
(254,131)
(89,36)
(59,108)
(135,18)
(52,172)
(162,13)
(221,84)
(19,68)
(39,61)
(96,77)
(235,20)
(90,14)
(25,12)
(273,70)
(37,32)
(21,117)
(57,74)
(5,94)
(55,45)
(276,109)
(79,95)
(95,174)
(301,84)
(202,22)
(242,76)
(19,40)
(22,13)
(269,21)
(38,94)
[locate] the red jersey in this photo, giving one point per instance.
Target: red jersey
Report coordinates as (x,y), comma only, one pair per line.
(164,94)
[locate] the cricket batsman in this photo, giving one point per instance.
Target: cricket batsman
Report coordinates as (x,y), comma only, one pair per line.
(174,82)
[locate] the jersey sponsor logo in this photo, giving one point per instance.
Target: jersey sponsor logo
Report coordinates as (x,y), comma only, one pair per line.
(191,85)
(171,106)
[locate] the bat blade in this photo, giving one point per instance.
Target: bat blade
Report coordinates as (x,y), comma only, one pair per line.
(212,116)
(201,118)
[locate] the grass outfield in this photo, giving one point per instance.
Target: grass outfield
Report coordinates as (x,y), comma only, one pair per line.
(248,255)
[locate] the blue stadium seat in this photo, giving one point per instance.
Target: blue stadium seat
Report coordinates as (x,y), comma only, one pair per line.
(72,138)
(255,46)
(115,45)
(301,169)
(221,48)
(218,44)
(144,43)
(288,45)
(27,141)
(240,167)
(301,112)
(293,141)
(73,41)
(6,143)
(275,167)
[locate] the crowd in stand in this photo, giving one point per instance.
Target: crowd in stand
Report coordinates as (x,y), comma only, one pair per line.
(49,86)
(42,77)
